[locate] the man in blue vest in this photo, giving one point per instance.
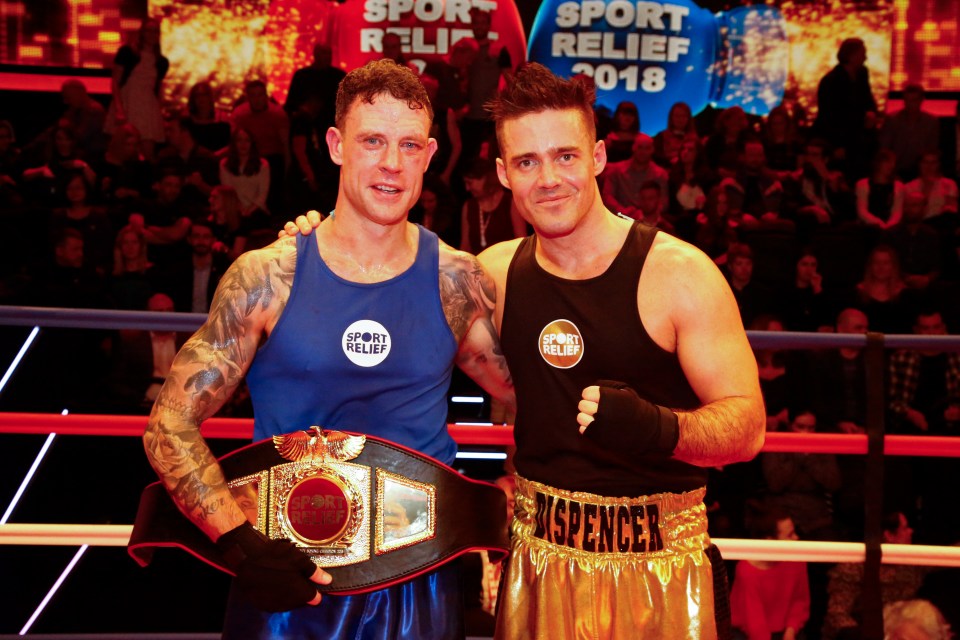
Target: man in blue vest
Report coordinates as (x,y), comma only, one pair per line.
(356,327)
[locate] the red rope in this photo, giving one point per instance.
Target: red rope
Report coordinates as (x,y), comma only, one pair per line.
(477,435)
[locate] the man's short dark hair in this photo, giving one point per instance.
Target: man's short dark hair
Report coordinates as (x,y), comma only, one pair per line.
(762,518)
(848,47)
(739,250)
(914,88)
(376,78)
(534,89)
(67,233)
(253,84)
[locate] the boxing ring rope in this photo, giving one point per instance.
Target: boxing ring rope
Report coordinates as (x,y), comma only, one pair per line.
(875,445)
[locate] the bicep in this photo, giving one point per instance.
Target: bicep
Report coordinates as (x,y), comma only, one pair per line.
(712,346)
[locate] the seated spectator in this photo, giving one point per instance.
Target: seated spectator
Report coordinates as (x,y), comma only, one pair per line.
(770,599)
(166,220)
(880,293)
(62,159)
(184,156)
(67,281)
(651,206)
(880,196)
(781,143)
(910,132)
(924,398)
(924,391)
(917,243)
(668,143)
(941,192)
(85,116)
(436,210)
(723,147)
(622,180)
(839,392)
(626,126)
(90,220)
(248,173)
(716,230)
(268,126)
(804,306)
(779,373)
(754,189)
(752,298)
(229,227)
(141,361)
(689,181)
(191,281)
(210,128)
(124,175)
(130,283)
(816,189)
(489,216)
(897,582)
(914,620)
(802,484)
(10,169)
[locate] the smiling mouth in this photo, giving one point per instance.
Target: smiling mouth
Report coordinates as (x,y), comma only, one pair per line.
(386,189)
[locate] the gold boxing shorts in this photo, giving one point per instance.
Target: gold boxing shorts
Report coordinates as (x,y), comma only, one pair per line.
(593,567)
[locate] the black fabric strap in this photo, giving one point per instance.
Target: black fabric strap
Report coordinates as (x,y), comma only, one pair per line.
(471,515)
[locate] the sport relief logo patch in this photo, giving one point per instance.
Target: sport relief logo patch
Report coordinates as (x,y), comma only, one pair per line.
(561,344)
(366,343)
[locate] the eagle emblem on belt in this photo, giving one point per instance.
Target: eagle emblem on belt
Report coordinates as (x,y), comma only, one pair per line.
(319,446)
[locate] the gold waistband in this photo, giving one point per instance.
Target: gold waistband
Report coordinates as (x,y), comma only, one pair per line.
(590,523)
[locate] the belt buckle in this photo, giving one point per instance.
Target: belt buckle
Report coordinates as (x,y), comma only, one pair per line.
(322,503)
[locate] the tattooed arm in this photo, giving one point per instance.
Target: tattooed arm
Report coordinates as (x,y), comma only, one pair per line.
(469,298)
(206,371)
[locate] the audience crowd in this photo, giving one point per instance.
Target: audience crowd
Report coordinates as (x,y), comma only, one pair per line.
(848,223)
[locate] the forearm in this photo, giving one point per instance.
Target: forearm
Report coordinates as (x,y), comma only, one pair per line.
(188,469)
(722,432)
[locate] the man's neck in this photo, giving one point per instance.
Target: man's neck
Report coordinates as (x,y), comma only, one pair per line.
(361,250)
(739,285)
(587,251)
(202,261)
(641,166)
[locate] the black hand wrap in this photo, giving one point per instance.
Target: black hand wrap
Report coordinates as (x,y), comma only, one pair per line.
(627,423)
(273,575)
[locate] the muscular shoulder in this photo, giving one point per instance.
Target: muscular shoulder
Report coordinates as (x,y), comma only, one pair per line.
(693,281)
(496,259)
(259,281)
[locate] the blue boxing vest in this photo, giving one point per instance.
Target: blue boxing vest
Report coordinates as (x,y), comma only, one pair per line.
(371,358)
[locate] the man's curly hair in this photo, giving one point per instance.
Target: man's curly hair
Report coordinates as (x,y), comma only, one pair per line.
(380,77)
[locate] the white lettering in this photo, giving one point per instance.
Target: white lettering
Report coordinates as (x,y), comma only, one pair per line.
(653,48)
(676,47)
(620,14)
(648,15)
(590,11)
(370,39)
(588,44)
(397,8)
(567,15)
(677,14)
(375,10)
(429,11)
(563,44)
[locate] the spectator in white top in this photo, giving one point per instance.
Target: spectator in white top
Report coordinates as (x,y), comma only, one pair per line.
(941,192)
(248,173)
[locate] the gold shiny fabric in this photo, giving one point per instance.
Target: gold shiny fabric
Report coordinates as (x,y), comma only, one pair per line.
(557,592)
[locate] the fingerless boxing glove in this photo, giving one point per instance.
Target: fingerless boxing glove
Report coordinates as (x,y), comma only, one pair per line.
(273,575)
(627,423)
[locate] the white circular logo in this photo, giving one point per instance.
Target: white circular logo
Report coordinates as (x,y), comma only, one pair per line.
(366,343)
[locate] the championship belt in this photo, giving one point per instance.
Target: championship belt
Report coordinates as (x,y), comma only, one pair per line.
(370,512)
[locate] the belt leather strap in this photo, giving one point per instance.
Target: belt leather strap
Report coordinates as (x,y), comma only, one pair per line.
(470,515)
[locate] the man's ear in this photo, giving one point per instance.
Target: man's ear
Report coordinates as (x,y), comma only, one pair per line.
(335,145)
(502,173)
(599,157)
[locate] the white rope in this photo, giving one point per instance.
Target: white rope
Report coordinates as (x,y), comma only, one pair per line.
(117,535)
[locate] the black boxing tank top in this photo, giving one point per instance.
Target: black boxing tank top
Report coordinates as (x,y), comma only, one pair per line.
(560,336)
